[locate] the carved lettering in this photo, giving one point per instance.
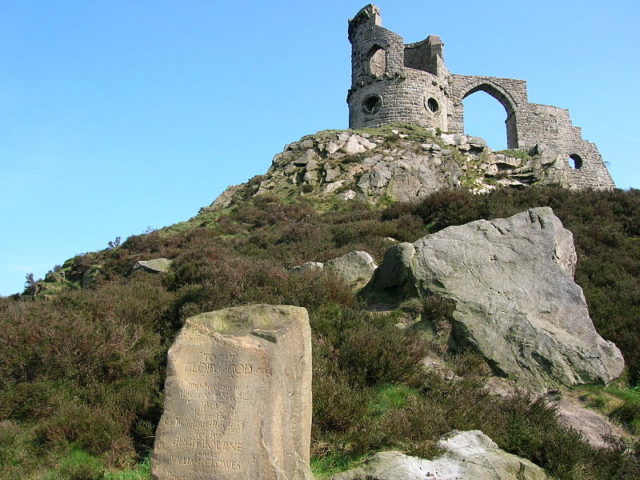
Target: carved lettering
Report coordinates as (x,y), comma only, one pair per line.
(205,368)
(220,463)
(231,396)
(208,424)
(206,443)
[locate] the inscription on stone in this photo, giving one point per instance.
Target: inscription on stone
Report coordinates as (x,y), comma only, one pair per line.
(238,397)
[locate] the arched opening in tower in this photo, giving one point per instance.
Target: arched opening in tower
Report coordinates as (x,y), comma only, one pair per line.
(485,117)
(377,61)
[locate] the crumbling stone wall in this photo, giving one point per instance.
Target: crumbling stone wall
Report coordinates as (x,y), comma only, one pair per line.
(397,94)
(397,83)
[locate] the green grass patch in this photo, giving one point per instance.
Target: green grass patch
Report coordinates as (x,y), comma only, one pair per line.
(204,219)
(141,471)
(322,135)
(389,397)
(78,465)
(323,467)
(514,153)
(621,404)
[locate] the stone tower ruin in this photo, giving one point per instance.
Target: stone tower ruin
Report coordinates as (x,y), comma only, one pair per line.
(396,83)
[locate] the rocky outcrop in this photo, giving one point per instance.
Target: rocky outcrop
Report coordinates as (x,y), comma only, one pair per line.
(516,301)
(354,268)
(593,426)
(467,456)
(69,276)
(155,265)
(91,275)
(395,163)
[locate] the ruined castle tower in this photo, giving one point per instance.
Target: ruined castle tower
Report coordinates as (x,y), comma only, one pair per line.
(396,83)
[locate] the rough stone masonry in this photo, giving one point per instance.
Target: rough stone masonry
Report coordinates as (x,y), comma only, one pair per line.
(238,397)
(397,83)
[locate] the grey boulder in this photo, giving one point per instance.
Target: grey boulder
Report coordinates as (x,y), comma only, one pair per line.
(308,266)
(354,268)
(156,265)
(517,303)
(468,455)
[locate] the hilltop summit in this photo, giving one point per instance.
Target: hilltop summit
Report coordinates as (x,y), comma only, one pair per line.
(396,163)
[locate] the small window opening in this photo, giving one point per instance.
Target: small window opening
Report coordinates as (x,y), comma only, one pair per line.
(575,161)
(377,62)
(372,104)
(432,105)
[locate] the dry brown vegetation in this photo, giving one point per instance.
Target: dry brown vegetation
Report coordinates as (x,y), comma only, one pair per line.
(85,369)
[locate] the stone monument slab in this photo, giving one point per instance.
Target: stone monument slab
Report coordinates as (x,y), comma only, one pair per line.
(238,397)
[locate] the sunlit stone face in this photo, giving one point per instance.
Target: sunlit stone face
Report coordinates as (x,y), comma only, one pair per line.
(237,397)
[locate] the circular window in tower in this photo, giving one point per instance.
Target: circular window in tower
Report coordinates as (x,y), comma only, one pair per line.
(432,105)
(372,104)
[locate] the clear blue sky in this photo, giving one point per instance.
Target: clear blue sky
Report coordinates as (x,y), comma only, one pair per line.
(120,115)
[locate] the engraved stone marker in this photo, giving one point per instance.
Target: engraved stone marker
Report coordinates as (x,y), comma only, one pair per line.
(238,397)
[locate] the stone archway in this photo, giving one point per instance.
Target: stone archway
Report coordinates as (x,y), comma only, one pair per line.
(504,98)
(493,89)
(510,93)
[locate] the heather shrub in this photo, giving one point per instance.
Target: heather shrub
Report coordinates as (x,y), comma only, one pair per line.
(629,415)
(196,267)
(78,465)
(85,367)
(397,210)
(146,243)
(212,279)
(339,407)
(266,210)
(450,207)
(85,370)
(304,233)
(19,451)
(360,230)
(379,354)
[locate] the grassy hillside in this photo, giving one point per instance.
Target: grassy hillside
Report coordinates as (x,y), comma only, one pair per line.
(82,371)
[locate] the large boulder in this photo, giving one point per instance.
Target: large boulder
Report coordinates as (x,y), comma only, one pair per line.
(468,456)
(354,268)
(516,300)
